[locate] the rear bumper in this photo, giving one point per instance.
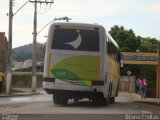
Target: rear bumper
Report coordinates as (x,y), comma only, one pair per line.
(74,94)
(51,84)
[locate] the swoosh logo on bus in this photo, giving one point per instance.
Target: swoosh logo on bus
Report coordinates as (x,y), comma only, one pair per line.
(76,43)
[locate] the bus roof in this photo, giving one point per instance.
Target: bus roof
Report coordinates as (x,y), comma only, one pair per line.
(112,40)
(76,24)
(86,25)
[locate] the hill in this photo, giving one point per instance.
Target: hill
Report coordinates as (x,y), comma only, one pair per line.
(23,53)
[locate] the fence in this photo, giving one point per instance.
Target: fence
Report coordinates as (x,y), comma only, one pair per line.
(127,84)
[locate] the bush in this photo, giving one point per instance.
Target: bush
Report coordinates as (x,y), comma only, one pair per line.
(23,80)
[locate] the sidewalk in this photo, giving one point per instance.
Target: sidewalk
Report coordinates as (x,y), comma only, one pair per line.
(22,92)
(155,101)
(133,97)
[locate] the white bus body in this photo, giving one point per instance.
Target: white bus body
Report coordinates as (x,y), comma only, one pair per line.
(81,61)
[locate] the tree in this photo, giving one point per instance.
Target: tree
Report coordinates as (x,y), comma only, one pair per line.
(126,39)
(128,42)
(149,45)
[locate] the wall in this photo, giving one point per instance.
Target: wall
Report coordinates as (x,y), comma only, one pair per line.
(127,84)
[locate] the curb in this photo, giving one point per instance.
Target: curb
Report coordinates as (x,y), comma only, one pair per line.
(136,98)
(19,95)
(149,102)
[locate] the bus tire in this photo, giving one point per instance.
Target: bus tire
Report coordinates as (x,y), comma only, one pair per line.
(96,101)
(103,101)
(109,95)
(56,100)
(64,101)
(99,100)
(75,100)
(112,99)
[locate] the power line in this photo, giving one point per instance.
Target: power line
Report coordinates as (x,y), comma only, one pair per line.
(21,8)
(47,2)
(62,18)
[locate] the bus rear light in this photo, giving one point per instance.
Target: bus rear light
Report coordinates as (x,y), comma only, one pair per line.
(72,81)
(49,79)
(96,82)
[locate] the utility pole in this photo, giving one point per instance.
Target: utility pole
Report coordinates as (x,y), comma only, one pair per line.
(158,75)
(34,52)
(159,72)
(9,59)
(9,67)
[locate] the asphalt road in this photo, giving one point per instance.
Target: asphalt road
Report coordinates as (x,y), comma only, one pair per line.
(42,107)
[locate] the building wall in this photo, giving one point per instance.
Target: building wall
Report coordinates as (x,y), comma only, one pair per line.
(16,64)
(127,84)
(27,63)
(3,52)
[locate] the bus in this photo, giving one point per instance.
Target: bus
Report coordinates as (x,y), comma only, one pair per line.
(81,61)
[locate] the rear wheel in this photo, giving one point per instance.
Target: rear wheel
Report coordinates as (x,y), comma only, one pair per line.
(76,100)
(59,99)
(103,101)
(109,95)
(56,99)
(96,100)
(112,99)
(100,100)
(64,101)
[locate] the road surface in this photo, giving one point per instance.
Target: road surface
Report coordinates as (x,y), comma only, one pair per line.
(40,105)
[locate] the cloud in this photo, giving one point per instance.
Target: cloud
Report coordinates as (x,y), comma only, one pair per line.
(153,10)
(90,8)
(107,12)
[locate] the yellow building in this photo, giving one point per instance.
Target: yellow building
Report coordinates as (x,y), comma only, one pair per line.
(1,76)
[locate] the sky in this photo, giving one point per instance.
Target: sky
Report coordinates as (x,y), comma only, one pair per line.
(142,16)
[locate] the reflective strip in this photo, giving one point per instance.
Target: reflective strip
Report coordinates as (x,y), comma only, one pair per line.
(49,65)
(99,71)
(97,82)
(49,79)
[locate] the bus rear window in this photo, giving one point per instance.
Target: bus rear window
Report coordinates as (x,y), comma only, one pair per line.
(75,39)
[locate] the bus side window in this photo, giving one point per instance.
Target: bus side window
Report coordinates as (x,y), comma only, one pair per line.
(107,47)
(119,57)
(112,53)
(112,50)
(116,54)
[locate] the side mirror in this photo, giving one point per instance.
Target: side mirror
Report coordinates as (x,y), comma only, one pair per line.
(121,63)
(120,59)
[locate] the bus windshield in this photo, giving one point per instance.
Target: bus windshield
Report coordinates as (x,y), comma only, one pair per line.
(75,39)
